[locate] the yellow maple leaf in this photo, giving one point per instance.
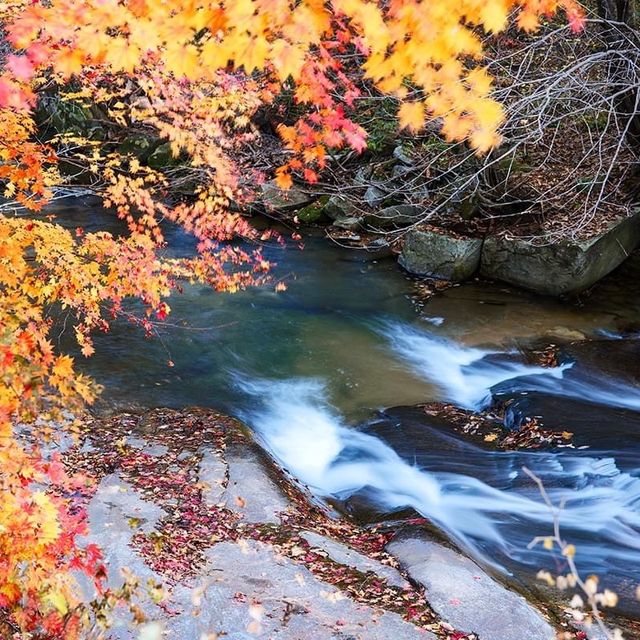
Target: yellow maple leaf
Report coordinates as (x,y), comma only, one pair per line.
(411,115)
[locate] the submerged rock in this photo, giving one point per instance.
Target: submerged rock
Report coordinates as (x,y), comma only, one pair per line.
(440,255)
(466,596)
(560,269)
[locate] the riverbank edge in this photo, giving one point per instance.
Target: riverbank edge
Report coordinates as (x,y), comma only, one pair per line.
(401,570)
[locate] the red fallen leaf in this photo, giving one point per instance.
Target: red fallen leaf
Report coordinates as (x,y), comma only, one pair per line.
(455,602)
(417,521)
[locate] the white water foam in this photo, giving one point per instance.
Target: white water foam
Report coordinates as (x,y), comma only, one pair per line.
(309,438)
(466,375)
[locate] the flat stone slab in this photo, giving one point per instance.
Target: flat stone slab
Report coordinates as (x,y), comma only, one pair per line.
(562,268)
(462,594)
(254,593)
(212,472)
(343,554)
(250,491)
(116,512)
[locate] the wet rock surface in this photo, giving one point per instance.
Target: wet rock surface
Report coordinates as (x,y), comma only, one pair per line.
(467,597)
(343,554)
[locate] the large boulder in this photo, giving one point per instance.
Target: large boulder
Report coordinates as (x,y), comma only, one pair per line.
(440,255)
(563,268)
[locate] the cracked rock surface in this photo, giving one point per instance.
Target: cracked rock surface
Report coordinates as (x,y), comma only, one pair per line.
(187,500)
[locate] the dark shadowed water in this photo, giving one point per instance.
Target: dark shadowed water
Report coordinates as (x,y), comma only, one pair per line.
(306,366)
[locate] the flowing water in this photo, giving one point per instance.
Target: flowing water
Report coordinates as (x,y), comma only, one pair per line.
(311,370)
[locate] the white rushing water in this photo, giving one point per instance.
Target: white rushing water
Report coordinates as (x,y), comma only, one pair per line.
(310,439)
(466,375)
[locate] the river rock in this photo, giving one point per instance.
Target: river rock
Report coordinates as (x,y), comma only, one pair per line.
(313,212)
(290,603)
(276,199)
(212,473)
(440,255)
(399,215)
(374,196)
(403,154)
(345,555)
(466,596)
(341,207)
(250,491)
(564,268)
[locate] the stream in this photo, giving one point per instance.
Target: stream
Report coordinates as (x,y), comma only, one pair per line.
(313,371)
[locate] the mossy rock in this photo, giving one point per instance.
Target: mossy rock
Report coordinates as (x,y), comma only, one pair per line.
(314,212)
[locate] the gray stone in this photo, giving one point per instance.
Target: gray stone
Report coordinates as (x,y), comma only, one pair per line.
(348,223)
(398,215)
(440,255)
(400,171)
(250,490)
(293,603)
(364,175)
(341,207)
(116,513)
(374,196)
(564,268)
(146,447)
(467,597)
(403,155)
(342,554)
(212,472)
(276,199)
